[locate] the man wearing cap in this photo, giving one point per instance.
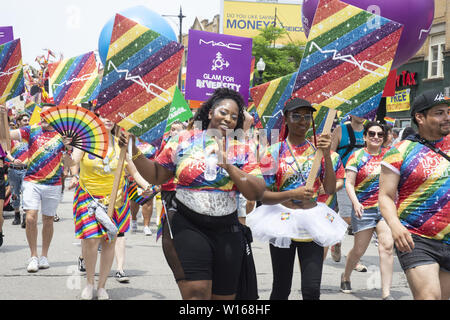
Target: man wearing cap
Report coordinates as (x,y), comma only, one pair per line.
(414,198)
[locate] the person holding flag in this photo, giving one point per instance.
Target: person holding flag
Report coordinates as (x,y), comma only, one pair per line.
(93,181)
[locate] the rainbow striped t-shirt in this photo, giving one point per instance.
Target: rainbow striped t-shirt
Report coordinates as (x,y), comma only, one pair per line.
(283,170)
(184,154)
(45,151)
(423,204)
(19,150)
(368,169)
(331,199)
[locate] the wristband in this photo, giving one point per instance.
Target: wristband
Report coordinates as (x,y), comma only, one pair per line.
(137,155)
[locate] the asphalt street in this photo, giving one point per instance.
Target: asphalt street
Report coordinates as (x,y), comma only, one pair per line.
(150,276)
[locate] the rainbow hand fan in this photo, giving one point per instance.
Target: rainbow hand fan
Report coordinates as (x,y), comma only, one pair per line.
(87,131)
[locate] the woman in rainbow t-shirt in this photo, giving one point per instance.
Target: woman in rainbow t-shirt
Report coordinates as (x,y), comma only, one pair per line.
(362,173)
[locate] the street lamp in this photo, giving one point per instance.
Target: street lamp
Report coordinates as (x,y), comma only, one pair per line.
(180,17)
(260,66)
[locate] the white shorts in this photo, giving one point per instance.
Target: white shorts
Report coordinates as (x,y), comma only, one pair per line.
(40,196)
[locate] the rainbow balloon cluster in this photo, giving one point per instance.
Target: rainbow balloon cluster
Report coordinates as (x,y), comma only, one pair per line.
(12,82)
(139,79)
(75,80)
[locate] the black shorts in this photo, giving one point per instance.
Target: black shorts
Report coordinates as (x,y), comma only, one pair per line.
(209,248)
(2,184)
(426,251)
(2,189)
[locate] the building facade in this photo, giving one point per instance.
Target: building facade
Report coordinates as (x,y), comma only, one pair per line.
(429,68)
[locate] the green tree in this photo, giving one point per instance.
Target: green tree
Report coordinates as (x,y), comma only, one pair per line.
(280,60)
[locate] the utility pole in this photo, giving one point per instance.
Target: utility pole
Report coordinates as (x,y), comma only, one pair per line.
(180,38)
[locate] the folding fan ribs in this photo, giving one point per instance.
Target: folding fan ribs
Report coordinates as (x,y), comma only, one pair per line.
(87,131)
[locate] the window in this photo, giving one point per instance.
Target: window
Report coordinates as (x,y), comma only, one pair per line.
(436,56)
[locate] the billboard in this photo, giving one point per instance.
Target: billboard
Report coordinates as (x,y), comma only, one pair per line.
(246,18)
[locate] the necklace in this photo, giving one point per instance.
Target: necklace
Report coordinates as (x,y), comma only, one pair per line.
(295,160)
(107,159)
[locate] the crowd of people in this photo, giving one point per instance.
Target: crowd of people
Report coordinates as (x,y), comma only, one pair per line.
(210,179)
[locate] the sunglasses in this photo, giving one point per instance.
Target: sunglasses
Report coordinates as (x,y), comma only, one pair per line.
(372,134)
(297,117)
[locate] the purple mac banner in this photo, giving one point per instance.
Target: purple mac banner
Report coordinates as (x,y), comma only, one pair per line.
(215,61)
(6,34)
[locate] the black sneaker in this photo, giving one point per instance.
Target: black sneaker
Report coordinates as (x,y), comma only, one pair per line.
(1,238)
(121,277)
(346,286)
(24,221)
(81,265)
(350,230)
(16,220)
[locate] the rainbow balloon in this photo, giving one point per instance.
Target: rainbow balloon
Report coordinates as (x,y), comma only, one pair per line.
(269,99)
(12,82)
(87,131)
(139,79)
(75,80)
(347,59)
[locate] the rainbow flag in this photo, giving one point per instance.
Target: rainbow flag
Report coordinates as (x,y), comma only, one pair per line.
(75,80)
(347,59)
(269,99)
(389,121)
(161,218)
(12,83)
(139,79)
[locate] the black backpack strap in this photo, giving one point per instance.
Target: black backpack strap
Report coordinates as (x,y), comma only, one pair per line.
(417,138)
(352,145)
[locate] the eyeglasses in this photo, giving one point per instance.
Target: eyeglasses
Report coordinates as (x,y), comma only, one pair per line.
(297,117)
(372,134)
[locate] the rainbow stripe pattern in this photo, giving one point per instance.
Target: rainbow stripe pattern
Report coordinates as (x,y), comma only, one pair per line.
(331,199)
(87,131)
(347,59)
(75,80)
(161,218)
(12,83)
(423,203)
(389,121)
(139,79)
(368,170)
(269,99)
(45,150)
(86,226)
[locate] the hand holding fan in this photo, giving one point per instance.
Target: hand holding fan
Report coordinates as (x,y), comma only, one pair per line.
(87,131)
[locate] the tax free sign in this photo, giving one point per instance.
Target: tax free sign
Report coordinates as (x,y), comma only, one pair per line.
(216,61)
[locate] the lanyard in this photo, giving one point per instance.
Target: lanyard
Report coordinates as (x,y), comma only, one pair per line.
(293,156)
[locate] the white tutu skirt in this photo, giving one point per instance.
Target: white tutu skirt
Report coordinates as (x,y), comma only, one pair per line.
(278,224)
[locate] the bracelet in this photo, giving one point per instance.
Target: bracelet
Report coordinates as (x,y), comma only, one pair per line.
(137,155)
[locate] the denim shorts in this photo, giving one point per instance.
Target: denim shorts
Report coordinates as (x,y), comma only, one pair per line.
(369,219)
(426,251)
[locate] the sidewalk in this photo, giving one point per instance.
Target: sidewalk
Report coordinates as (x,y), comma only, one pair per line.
(150,276)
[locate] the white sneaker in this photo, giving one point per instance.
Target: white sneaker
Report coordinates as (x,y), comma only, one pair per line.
(43,263)
(88,292)
(134,226)
(147,231)
(33,264)
(102,294)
